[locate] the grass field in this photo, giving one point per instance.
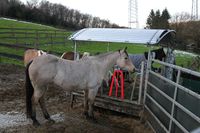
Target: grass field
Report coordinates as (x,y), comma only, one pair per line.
(20,32)
(11,23)
(92,47)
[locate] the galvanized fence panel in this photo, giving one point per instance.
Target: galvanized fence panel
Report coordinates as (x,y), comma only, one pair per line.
(171,106)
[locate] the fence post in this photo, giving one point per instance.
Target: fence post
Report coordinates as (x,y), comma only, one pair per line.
(65,39)
(174,99)
(51,39)
(147,75)
(37,39)
(26,38)
(55,33)
(14,36)
(35,43)
(141,82)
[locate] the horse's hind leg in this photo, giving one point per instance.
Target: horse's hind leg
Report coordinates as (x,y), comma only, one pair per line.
(86,103)
(44,109)
(35,99)
(91,97)
(37,95)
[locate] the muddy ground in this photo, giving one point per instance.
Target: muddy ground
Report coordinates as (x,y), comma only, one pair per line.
(13,118)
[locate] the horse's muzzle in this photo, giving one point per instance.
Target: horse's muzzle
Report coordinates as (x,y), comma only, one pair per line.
(133,70)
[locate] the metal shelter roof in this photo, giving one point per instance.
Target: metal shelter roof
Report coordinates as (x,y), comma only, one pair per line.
(141,36)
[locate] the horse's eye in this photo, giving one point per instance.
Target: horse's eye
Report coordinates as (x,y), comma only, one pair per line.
(126,58)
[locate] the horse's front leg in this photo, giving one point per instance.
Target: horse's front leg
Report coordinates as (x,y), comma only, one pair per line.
(91,97)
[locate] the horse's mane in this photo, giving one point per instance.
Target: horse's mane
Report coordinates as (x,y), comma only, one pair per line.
(103,54)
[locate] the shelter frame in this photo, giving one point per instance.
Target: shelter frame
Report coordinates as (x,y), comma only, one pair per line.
(140,36)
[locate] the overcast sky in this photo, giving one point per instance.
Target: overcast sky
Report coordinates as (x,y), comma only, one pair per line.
(116,11)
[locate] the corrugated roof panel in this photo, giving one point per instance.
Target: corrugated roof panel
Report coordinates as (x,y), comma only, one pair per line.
(142,36)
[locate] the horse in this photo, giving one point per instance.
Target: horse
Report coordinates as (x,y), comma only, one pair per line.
(85,75)
(70,55)
(138,58)
(30,54)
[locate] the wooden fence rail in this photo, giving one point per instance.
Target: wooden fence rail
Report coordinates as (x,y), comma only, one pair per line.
(20,57)
(27,38)
(35,37)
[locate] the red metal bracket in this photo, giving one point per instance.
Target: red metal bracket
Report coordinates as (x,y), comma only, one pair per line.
(118,74)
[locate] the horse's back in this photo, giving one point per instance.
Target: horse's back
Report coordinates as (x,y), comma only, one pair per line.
(43,68)
(68,74)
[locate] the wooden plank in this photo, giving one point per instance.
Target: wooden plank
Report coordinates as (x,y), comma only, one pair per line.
(13,56)
(15,46)
(28,29)
(113,104)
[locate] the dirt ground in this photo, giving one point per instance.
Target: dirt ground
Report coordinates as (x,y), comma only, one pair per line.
(13,118)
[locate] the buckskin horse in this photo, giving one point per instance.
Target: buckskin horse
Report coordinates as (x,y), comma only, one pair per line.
(70,55)
(86,75)
(30,54)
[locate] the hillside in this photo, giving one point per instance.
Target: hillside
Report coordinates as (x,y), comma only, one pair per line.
(13,23)
(48,13)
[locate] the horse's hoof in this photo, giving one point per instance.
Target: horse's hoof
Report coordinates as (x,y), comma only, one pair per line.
(86,115)
(92,119)
(51,121)
(36,124)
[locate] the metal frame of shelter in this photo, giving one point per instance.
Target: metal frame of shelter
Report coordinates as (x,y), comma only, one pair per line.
(139,36)
(163,98)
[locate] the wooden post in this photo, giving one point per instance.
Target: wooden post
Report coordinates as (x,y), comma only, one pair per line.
(14,36)
(65,39)
(36,39)
(51,39)
(26,38)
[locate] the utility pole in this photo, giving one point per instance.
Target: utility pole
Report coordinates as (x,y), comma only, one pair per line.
(133,14)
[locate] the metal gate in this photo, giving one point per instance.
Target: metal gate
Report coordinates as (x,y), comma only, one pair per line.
(170,106)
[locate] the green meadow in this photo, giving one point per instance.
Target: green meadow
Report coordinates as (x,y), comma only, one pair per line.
(45,43)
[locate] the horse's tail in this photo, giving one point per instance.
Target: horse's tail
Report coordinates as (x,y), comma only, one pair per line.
(29,91)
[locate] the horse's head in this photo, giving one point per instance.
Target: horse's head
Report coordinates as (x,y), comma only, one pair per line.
(124,62)
(159,54)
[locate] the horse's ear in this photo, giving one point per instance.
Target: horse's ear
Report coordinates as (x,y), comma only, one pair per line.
(119,50)
(125,48)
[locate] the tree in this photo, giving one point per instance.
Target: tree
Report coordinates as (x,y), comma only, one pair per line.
(156,20)
(51,14)
(165,19)
(4,5)
(32,3)
(150,19)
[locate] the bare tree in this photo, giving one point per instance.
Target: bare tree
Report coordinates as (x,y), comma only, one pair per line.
(187,31)
(180,17)
(4,5)
(32,3)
